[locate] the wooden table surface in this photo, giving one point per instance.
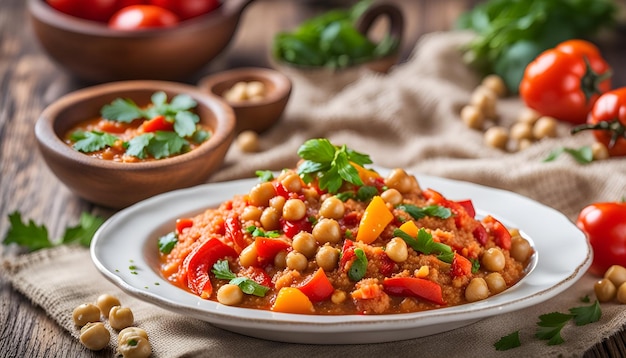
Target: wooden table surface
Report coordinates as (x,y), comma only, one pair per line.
(29,81)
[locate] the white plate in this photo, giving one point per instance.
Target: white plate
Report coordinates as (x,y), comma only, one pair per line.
(125,250)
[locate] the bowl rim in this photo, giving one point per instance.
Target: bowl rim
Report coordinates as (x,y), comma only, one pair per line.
(45,13)
(282,83)
(223,131)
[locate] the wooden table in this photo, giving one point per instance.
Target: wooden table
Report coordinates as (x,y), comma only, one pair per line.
(29,81)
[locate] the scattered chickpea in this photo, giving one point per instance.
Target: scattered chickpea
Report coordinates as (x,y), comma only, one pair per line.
(545,127)
(131,332)
(121,317)
(496,84)
(472,117)
(280,260)
(599,151)
(135,347)
(105,302)
(245,91)
(605,290)
(616,274)
(522,130)
(94,336)
(248,141)
(621,294)
(496,137)
(230,295)
(485,100)
(86,313)
(528,115)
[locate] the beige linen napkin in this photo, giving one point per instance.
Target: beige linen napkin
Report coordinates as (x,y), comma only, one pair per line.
(408,118)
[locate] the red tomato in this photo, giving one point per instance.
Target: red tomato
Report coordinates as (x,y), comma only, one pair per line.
(182,224)
(564,82)
(137,17)
(186,9)
(605,226)
(96,10)
(123,3)
(498,231)
(158,123)
(461,266)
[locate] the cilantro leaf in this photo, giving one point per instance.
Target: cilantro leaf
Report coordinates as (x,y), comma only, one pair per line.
(164,144)
(92,141)
(366,193)
(222,271)
(185,123)
(265,175)
(550,326)
(84,231)
(258,232)
(431,210)
(167,242)
(583,155)
(31,235)
(508,342)
(137,146)
(359,266)
(586,314)
(425,244)
(200,136)
(182,102)
(122,110)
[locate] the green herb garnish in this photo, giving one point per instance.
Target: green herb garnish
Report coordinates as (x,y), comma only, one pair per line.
(265,175)
(34,237)
(508,342)
(583,155)
(92,141)
(330,165)
(167,242)
(256,231)
(222,271)
(425,244)
(431,210)
(359,266)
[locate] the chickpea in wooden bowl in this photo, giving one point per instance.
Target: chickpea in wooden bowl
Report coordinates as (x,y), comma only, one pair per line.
(118,143)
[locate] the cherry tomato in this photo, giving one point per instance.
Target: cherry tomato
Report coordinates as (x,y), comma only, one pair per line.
(564,82)
(608,121)
(605,227)
(96,10)
(137,17)
(186,9)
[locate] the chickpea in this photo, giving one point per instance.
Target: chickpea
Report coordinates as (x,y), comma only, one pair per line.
(85,313)
(617,274)
(524,144)
(496,137)
(261,194)
(399,179)
(485,100)
(248,141)
(296,261)
(332,208)
(522,130)
(248,256)
(252,213)
(472,117)
(605,290)
(391,196)
(105,302)
(304,243)
(528,115)
(495,282)
(493,260)
(327,230)
(397,250)
(520,249)
(338,296)
(278,202)
(621,294)
(280,260)
(255,90)
(294,210)
(236,93)
(496,84)
(131,332)
(599,151)
(135,347)
(476,290)
(270,219)
(230,295)
(544,127)
(327,257)
(95,336)
(121,317)
(292,183)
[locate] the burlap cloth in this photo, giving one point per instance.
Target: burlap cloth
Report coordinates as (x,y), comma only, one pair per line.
(408,118)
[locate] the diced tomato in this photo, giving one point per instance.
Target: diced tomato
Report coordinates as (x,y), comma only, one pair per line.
(468,206)
(499,232)
(480,234)
(281,190)
(182,224)
(317,287)
(461,266)
(387,265)
(268,247)
(233,232)
(158,123)
(352,218)
(292,228)
(414,287)
(199,262)
(347,254)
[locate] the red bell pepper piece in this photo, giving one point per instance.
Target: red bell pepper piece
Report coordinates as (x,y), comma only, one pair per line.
(468,206)
(317,287)
(199,262)
(182,224)
(499,232)
(414,287)
(233,232)
(480,234)
(268,247)
(347,254)
(461,266)
(292,228)
(158,123)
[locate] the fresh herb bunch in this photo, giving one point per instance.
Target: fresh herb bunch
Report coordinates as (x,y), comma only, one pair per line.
(160,143)
(332,166)
(511,33)
(331,40)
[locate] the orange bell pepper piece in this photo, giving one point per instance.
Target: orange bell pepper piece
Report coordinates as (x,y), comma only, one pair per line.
(292,300)
(410,228)
(375,218)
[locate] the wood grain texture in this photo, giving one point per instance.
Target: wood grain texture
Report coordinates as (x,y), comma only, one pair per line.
(29,81)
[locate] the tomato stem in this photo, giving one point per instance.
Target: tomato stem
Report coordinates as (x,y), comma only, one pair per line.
(615,127)
(590,82)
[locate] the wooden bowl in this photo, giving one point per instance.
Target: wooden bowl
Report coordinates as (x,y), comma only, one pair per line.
(258,115)
(96,53)
(117,184)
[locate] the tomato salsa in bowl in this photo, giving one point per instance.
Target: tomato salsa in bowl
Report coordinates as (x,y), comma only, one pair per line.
(112,177)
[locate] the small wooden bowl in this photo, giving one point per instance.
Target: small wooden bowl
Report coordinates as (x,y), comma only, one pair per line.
(115,184)
(258,115)
(96,53)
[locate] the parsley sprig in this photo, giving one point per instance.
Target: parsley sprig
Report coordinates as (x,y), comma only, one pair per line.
(425,244)
(583,155)
(222,271)
(417,212)
(35,237)
(331,165)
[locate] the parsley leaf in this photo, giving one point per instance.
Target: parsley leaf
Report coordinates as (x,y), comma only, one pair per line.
(586,314)
(265,175)
(359,266)
(366,193)
(550,326)
(583,155)
(164,144)
(92,141)
(330,164)
(222,271)
(258,232)
(167,242)
(122,110)
(508,342)
(431,210)
(137,145)
(425,244)
(35,237)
